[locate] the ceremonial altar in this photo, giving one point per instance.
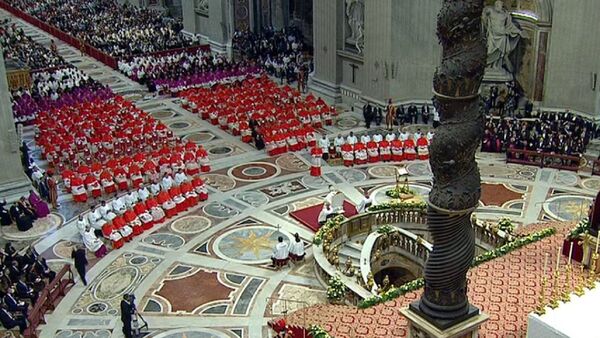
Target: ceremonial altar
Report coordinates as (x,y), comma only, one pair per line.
(576,318)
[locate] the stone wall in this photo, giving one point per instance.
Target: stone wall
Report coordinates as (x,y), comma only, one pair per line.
(573,57)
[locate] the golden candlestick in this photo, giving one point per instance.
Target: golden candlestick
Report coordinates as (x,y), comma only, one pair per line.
(541,307)
(579,288)
(591,280)
(553,304)
(566,294)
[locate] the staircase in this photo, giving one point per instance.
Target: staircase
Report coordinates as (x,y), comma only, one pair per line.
(351,249)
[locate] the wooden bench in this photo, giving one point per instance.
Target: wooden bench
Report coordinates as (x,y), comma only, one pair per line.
(543,160)
(48,300)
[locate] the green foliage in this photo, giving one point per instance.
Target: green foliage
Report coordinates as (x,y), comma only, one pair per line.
(385,229)
(488,256)
(336,289)
(316,331)
(330,225)
(399,205)
(400,190)
(505,224)
(582,227)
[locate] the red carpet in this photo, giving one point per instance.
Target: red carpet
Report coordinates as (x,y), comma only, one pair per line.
(309,216)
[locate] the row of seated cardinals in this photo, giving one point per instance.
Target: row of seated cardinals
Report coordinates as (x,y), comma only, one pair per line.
(260,104)
(100,131)
(97,180)
(131,215)
(372,151)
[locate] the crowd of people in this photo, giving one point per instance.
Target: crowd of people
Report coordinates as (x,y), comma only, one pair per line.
(24,211)
(17,45)
(279,52)
(118,30)
(354,150)
(184,69)
(256,109)
(399,115)
(101,146)
(132,213)
(54,89)
(283,251)
(22,278)
(548,132)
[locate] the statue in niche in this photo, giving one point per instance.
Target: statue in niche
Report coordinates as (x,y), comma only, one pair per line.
(503,35)
(355,16)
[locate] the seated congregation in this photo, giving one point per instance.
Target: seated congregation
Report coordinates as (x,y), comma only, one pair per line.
(22,279)
(130,214)
(24,211)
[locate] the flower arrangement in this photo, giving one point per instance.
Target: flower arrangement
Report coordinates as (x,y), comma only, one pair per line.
(336,289)
(385,229)
(316,331)
(330,225)
(420,282)
(505,224)
(581,227)
(399,191)
(400,205)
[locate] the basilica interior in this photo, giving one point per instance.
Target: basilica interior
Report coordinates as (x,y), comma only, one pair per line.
(299,168)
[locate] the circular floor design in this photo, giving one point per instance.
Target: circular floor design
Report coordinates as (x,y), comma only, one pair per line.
(219,181)
(190,224)
(179,125)
(220,150)
(40,227)
(591,183)
(383,171)
(254,171)
(567,207)
(219,210)
(249,245)
(193,333)
(346,123)
(566,178)
(254,198)
(199,137)
(163,114)
(353,175)
(418,168)
(291,162)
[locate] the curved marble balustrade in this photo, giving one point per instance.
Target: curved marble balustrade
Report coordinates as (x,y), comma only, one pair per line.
(400,241)
(409,245)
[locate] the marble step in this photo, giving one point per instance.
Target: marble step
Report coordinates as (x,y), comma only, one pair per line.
(350,251)
(354,245)
(344,258)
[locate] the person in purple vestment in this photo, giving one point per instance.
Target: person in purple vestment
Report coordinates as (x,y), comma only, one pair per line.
(40,207)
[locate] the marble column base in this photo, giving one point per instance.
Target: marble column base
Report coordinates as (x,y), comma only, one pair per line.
(14,189)
(419,327)
(326,90)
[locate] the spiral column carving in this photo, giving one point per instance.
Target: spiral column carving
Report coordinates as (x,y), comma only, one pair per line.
(456,180)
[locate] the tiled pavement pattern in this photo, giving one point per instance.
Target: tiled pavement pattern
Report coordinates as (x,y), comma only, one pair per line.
(216,253)
(506,289)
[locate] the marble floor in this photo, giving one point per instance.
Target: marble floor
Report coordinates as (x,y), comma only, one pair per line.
(205,273)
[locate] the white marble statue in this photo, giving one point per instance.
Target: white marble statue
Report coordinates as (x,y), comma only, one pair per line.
(502,36)
(355,15)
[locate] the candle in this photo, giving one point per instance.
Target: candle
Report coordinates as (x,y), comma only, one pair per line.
(570,253)
(545,263)
(558,259)
(597,241)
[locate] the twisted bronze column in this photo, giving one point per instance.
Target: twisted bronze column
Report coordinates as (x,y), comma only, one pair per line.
(456,181)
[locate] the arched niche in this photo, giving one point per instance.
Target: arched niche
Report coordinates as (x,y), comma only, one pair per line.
(535,18)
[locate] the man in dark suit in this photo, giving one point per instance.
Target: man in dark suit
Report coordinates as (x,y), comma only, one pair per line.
(9,321)
(126,314)
(14,305)
(25,291)
(78,255)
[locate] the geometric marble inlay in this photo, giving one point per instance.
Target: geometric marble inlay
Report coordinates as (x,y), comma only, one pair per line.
(497,194)
(202,288)
(253,244)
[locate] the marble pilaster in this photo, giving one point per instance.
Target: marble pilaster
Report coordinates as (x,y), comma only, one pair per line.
(13,182)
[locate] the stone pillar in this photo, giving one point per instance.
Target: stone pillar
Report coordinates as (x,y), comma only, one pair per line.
(215,26)
(328,28)
(13,181)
